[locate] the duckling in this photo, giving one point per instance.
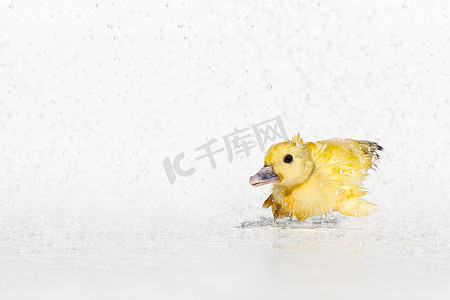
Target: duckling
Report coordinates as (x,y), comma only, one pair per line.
(317,178)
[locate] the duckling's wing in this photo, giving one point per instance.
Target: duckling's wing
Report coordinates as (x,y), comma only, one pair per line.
(344,163)
(347,157)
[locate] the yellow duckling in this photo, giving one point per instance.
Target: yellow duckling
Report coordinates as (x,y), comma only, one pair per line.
(312,179)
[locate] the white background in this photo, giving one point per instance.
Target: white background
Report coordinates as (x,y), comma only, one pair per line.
(95,94)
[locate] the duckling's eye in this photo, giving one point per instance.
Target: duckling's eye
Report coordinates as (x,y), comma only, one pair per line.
(288,159)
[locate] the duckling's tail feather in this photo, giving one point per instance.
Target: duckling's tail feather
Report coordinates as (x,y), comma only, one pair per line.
(370,149)
(356,207)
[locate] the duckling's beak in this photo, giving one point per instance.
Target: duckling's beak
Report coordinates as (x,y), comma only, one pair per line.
(264,176)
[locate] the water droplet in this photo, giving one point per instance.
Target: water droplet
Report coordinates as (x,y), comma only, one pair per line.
(307,97)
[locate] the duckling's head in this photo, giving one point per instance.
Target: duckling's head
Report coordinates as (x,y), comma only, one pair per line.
(287,164)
